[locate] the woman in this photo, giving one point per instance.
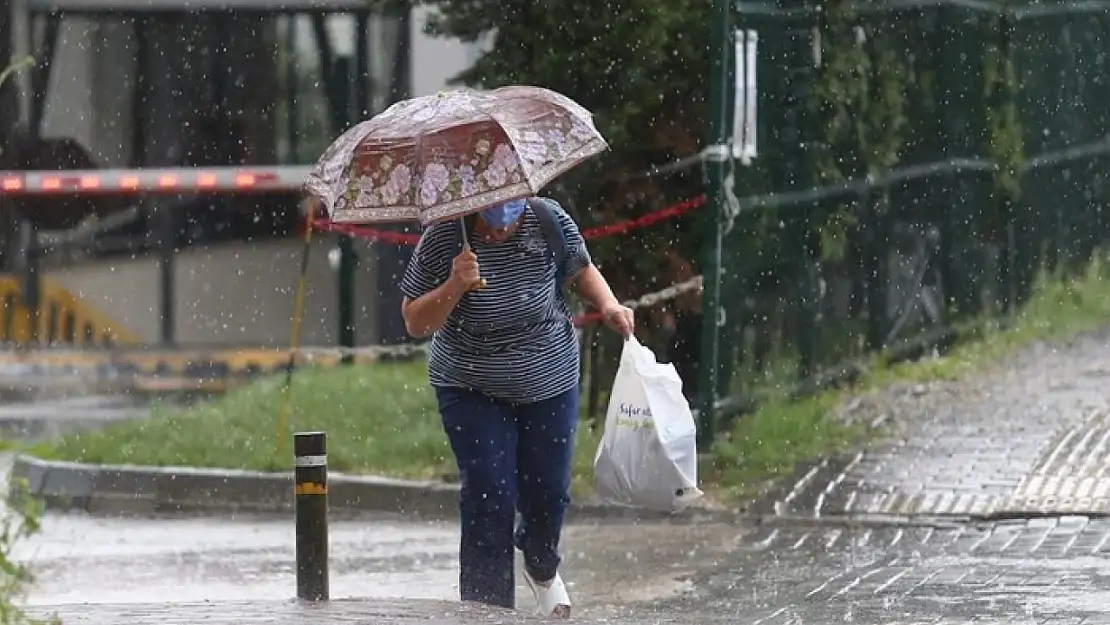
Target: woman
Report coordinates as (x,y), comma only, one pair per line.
(504,366)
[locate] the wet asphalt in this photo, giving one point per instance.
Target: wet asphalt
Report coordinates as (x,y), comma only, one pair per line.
(987,502)
(79,559)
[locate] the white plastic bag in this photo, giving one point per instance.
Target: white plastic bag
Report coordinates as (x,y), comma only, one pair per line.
(648,455)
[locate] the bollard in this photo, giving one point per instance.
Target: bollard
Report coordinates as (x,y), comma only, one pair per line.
(310,476)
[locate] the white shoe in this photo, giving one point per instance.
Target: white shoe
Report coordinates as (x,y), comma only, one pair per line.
(552,600)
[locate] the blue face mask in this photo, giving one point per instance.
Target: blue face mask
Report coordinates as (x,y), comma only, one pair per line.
(504,215)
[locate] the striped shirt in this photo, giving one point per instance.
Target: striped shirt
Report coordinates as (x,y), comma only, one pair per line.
(512,340)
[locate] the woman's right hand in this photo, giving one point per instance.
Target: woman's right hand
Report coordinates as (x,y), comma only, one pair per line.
(464,270)
(426,314)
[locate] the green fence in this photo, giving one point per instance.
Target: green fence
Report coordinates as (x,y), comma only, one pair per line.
(920,163)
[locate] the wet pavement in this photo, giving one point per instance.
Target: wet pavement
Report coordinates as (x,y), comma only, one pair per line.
(1039,571)
(1045,571)
(116,563)
(1028,438)
(81,559)
(985,505)
(383,569)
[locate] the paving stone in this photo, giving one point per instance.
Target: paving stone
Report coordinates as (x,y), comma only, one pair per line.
(1030,437)
(1039,572)
(1072,476)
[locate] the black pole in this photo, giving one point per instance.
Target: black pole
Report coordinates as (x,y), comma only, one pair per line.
(291,90)
(140,93)
(31,278)
(166,224)
(310,476)
(43,69)
(8,101)
(346,110)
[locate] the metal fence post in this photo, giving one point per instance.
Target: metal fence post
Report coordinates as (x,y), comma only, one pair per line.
(343,90)
(718,153)
(310,476)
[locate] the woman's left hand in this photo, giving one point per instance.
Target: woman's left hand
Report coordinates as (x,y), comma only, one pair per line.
(620,318)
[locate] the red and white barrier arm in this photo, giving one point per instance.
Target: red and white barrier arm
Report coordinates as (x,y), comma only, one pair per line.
(242,180)
(168,181)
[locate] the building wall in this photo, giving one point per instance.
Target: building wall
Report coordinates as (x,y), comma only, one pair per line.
(235,294)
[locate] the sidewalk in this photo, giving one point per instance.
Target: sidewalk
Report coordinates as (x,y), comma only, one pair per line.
(1036,572)
(1028,436)
(986,505)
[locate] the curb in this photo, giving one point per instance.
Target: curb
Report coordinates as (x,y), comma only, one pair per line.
(122,489)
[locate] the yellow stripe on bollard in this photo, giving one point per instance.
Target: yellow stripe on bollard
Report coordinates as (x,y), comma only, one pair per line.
(310,488)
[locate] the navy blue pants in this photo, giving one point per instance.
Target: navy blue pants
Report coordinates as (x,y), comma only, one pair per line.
(512,458)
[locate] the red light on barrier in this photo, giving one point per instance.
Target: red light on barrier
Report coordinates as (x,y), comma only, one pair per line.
(90,182)
(51,183)
(11,184)
(167,182)
(245,180)
(129,182)
(206,181)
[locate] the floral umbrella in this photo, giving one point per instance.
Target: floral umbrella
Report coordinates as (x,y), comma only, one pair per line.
(452,154)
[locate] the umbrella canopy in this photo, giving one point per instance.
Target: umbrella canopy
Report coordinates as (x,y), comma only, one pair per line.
(452,154)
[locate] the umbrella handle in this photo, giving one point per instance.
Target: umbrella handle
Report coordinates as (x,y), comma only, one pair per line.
(481,283)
